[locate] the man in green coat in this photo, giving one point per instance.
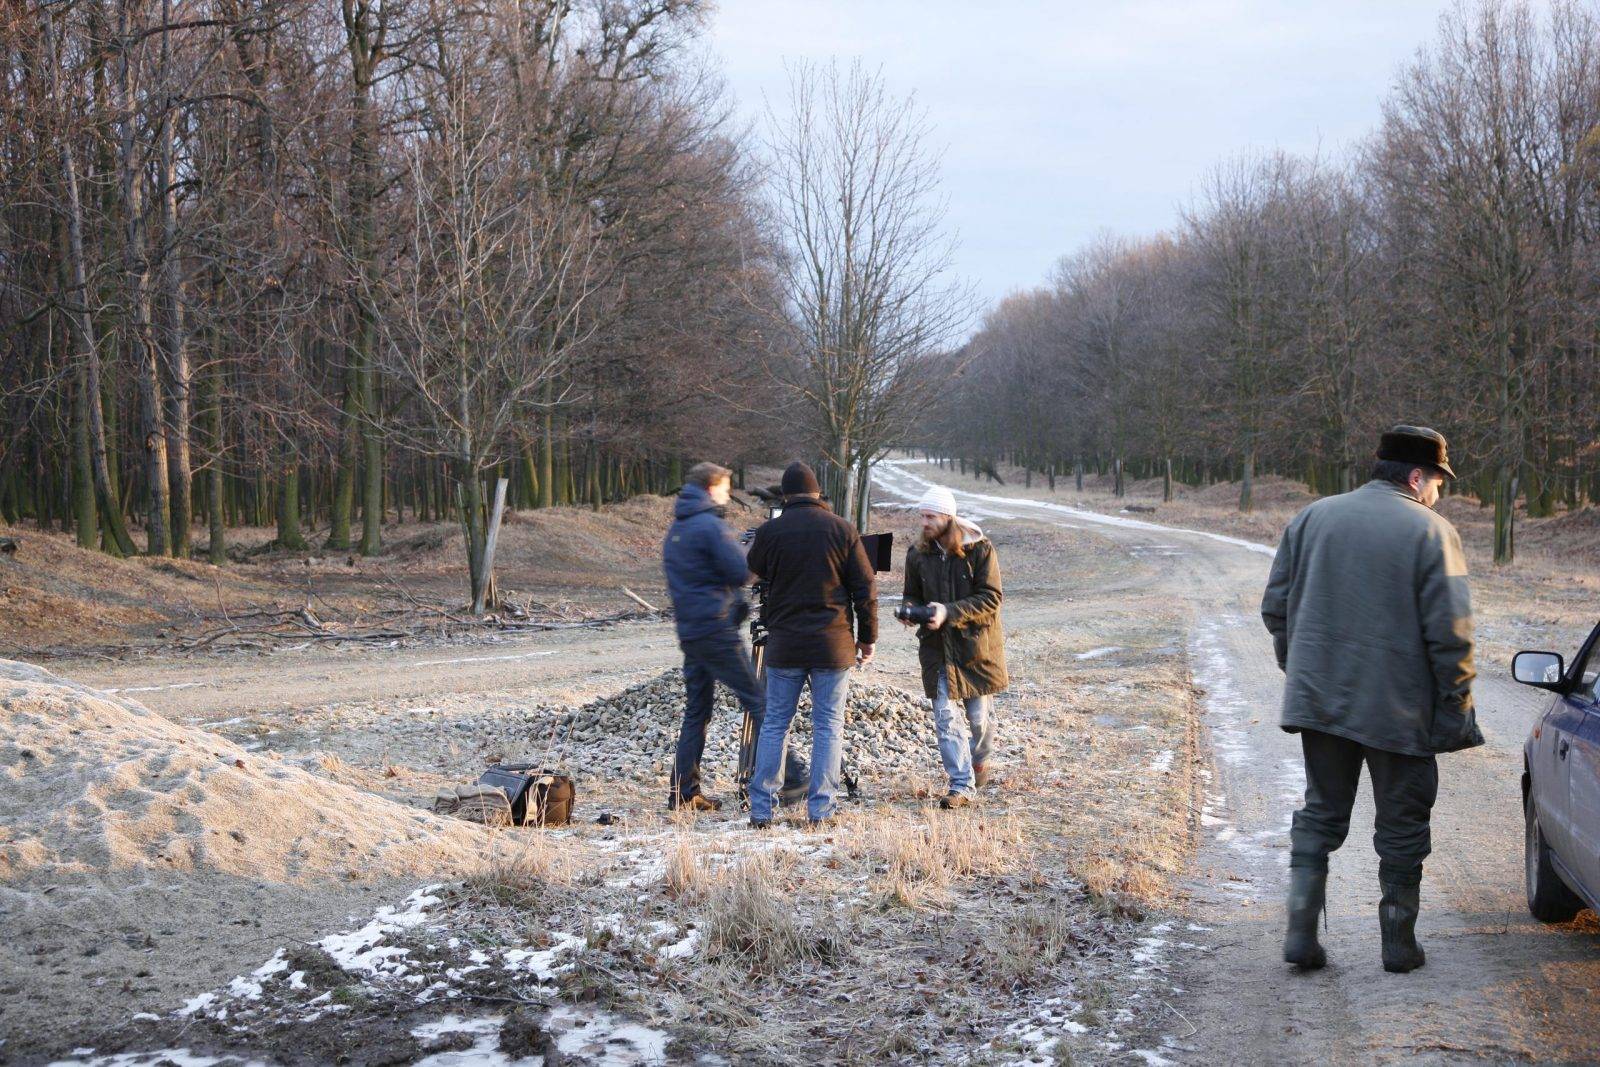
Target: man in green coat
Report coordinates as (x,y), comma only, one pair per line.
(952,568)
(1371,621)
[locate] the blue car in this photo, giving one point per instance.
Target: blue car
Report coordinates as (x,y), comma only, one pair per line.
(1561,783)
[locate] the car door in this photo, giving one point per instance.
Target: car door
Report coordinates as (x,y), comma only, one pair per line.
(1582,855)
(1551,754)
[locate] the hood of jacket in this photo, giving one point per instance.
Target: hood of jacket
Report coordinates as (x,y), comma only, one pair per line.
(692,500)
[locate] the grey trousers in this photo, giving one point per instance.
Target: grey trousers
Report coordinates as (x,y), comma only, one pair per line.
(1403,789)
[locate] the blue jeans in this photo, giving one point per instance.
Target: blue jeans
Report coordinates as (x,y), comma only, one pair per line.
(828,690)
(954,749)
(717,657)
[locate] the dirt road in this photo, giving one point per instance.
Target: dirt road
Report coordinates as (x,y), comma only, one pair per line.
(1497,986)
(565,664)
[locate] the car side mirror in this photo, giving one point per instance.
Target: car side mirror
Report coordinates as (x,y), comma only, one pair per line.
(1542,670)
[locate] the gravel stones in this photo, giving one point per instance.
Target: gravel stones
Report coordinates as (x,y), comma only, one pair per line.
(632,734)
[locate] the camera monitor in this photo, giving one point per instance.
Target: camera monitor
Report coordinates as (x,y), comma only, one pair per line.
(880,550)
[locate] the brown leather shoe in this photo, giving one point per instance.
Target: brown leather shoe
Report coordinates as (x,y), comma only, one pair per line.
(980,775)
(954,800)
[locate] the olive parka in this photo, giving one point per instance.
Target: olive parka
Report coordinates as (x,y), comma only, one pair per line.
(1371,621)
(969,648)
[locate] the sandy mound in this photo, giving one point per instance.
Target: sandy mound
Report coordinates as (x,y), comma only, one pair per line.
(95,784)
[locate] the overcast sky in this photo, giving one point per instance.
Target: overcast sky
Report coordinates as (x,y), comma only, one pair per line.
(1060,120)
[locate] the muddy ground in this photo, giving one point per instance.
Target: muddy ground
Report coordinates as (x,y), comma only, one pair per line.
(1113,899)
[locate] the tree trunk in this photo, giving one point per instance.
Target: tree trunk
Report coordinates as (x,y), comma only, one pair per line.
(371,453)
(547,457)
(290,536)
(216,502)
(483,592)
(1247,483)
(863,496)
(136,277)
(116,540)
(344,486)
(175,346)
(1505,514)
(472,523)
(83,509)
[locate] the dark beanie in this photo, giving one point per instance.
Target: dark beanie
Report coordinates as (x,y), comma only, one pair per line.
(799,478)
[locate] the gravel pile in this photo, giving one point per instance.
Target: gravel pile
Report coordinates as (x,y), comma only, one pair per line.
(632,734)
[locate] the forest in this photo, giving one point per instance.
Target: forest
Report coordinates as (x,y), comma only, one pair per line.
(332,265)
(1442,273)
(329,265)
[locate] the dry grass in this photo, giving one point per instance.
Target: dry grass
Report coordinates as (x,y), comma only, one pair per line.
(917,856)
(685,876)
(334,766)
(524,874)
(1030,942)
(750,923)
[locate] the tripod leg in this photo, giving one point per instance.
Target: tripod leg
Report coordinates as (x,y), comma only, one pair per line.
(849,775)
(747,732)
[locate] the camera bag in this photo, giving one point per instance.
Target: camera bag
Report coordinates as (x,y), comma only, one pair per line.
(538,796)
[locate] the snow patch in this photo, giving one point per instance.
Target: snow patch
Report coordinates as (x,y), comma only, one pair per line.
(889,474)
(169,1057)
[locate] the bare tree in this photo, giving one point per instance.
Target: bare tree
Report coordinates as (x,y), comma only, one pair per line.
(488,296)
(867,279)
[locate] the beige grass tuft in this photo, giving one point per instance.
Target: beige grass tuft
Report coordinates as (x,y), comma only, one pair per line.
(750,923)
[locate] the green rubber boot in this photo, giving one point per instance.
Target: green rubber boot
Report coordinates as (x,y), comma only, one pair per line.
(1308,890)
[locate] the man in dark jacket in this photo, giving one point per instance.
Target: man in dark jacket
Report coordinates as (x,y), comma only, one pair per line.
(1371,621)
(705,569)
(817,575)
(952,568)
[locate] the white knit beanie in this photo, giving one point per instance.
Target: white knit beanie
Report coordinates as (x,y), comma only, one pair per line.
(938,500)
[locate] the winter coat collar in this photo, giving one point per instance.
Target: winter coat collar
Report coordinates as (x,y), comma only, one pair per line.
(692,500)
(1382,485)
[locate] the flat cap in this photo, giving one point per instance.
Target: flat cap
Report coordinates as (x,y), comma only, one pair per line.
(1416,444)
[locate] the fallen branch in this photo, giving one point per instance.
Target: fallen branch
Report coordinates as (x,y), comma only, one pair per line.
(641,601)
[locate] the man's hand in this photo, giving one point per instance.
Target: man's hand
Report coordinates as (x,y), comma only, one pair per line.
(863,654)
(940,613)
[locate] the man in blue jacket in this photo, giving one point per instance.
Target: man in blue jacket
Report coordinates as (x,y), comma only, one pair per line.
(706,573)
